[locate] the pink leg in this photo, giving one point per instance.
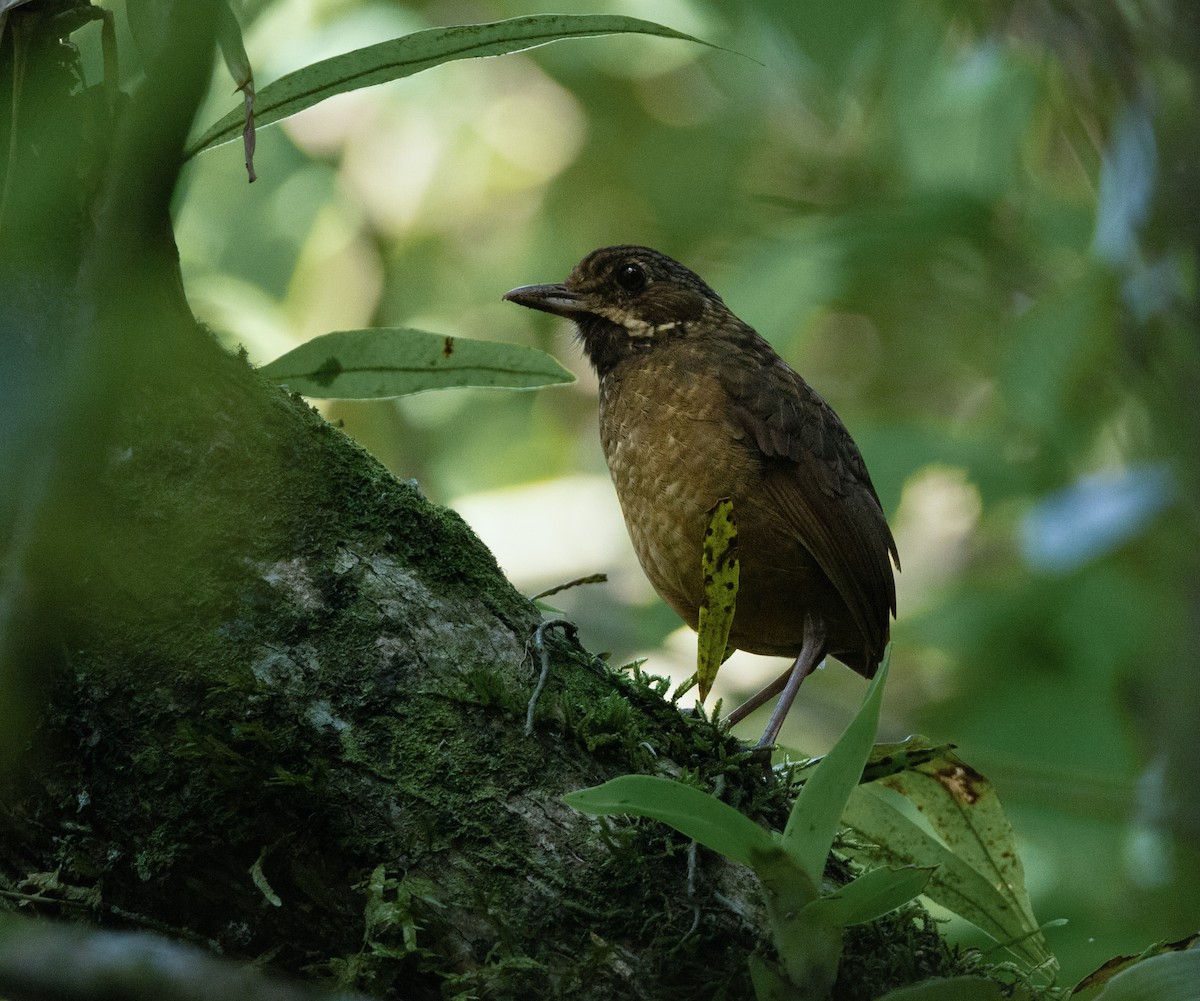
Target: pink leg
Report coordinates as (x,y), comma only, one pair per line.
(812,652)
(758,698)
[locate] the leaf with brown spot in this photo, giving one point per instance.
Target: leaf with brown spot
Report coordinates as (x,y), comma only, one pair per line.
(979,876)
(962,782)
(382,362)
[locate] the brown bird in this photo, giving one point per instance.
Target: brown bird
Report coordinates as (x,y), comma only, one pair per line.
(696,406)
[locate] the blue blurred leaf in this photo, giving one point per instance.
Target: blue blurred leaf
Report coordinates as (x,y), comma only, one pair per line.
(1127,173)
(1150,288)
(1093,516)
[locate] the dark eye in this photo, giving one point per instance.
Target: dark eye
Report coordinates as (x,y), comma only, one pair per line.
(631,277)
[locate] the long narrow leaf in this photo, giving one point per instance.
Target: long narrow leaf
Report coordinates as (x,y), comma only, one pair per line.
(768,983)
(421,50)
(817,813)
(964,811)
(871,896)
(714,824)
(955,884)
(809,946)
(888,759)
(233,51)
(382,362)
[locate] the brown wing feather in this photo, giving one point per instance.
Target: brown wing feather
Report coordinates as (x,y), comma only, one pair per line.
(821,484)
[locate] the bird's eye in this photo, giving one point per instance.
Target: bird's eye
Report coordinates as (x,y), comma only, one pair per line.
(631,277)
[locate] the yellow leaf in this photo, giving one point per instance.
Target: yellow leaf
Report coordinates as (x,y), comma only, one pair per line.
(720,566)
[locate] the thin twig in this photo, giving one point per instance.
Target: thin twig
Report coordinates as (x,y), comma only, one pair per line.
(539,642)
(693,871)
(592,578)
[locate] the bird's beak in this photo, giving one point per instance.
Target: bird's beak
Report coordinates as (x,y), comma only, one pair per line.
(557,299)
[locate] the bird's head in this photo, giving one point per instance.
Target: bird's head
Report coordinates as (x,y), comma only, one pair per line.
(624,300)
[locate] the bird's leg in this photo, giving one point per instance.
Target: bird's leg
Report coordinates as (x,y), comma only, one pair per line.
(778,685)
(812,652)
(758,698)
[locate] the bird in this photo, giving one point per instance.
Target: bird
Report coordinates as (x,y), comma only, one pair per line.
(695,407)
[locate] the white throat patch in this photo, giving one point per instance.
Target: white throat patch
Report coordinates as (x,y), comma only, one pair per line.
(634,326)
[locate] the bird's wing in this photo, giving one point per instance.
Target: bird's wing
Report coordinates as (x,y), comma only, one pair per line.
(835,512)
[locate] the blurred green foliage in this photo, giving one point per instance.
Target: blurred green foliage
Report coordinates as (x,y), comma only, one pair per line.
(972,228)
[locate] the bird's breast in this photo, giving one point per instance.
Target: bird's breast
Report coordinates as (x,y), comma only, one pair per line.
(673,453)
(674,448)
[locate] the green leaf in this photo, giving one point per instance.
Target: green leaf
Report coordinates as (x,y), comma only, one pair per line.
(963,809)
(954,884)
(808,943)
(421,50)
(705,818)
(1172,976)
(769,984)
(720,567)
(872,895)
(1091,985)
(233,50)
(952,989)
(1049,350)
(889,758)
(380,362)
(817,813)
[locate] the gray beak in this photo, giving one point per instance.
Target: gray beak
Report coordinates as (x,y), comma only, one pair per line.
(557,299)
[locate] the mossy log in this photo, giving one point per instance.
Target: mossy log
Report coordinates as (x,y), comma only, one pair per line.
(289,722)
